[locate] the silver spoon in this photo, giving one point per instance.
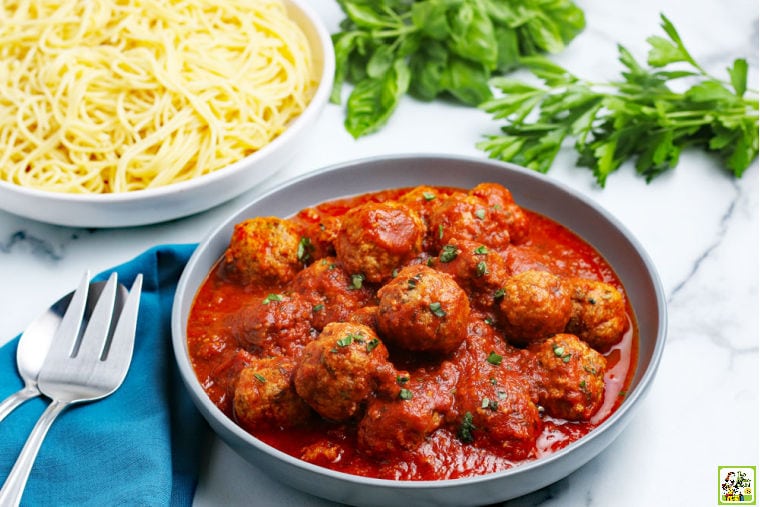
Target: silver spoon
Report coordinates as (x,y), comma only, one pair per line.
(34,344)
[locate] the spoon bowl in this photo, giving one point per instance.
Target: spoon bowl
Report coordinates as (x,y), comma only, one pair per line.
(34,343)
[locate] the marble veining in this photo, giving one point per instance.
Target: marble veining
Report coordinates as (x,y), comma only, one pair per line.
(718,239)
(38,246)
(699,225)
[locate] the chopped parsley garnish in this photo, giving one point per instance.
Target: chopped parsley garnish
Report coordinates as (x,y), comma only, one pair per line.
(405,394)
(317,308)
(494,358)
(448,253)
(499,294)
(272,297)
(480,213)
(482,268)
(356,281)
(349,338)
(372,344)
(437,309)
(492,405)
(466,428)
(429,196)
(261,378)
(345,341)
(481,250)
(559,351)
(305,249)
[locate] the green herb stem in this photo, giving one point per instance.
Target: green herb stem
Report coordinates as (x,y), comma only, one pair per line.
(639,118)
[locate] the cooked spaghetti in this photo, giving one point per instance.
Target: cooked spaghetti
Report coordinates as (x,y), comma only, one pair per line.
(102,96)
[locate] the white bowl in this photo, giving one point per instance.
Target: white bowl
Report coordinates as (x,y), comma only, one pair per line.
(185,198)
(530,190)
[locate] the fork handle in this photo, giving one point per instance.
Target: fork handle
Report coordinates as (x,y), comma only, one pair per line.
(14,485)
(10,403)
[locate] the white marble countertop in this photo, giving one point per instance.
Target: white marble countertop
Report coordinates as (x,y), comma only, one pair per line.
(699,225)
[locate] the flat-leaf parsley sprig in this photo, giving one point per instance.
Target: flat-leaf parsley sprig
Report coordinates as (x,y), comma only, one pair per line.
(430,48)
(639,117)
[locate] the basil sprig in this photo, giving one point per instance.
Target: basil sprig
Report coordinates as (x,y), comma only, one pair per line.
(431,48)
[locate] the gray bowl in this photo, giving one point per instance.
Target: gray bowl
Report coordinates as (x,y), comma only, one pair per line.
(530,190)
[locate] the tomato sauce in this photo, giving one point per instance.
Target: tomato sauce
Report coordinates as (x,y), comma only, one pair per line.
(216,357)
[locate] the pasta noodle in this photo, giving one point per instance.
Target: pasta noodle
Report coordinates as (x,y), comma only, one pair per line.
(101,96)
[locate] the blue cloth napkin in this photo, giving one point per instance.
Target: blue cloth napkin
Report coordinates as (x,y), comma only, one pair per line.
(139,446)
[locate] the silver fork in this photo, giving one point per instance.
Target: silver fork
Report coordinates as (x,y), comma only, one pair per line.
(80,366)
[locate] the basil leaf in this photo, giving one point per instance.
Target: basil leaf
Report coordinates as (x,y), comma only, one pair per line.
(472,35)
(380,61)
(545,35)
(508,49)
(364,16)
(427,67)
(431,18)
(343,43)
(434,39)
(373,100)
(467,81)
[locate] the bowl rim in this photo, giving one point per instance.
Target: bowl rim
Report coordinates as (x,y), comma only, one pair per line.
(179,341)
(313,108)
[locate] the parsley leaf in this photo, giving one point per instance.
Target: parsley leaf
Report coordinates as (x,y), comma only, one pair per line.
(466,428)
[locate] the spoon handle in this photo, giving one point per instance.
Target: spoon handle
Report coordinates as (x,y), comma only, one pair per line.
(15,483)
(10,403)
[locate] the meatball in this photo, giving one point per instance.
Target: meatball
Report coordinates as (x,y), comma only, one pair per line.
(496,411)
(463,216)
(389,426)
(404,421)
(366,316)
(485,348)
(423,310)
(536,304)
(264,396)
(340,370)
(422,199)
(468,216)
(598,316)
(376,238)
(277,324)
(476,268)
(263,248)
(572,377)
(318,233)
(330,290)
(499,197)
(493,194)
(519,258)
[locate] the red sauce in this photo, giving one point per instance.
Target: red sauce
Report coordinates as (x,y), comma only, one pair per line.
(443,455)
